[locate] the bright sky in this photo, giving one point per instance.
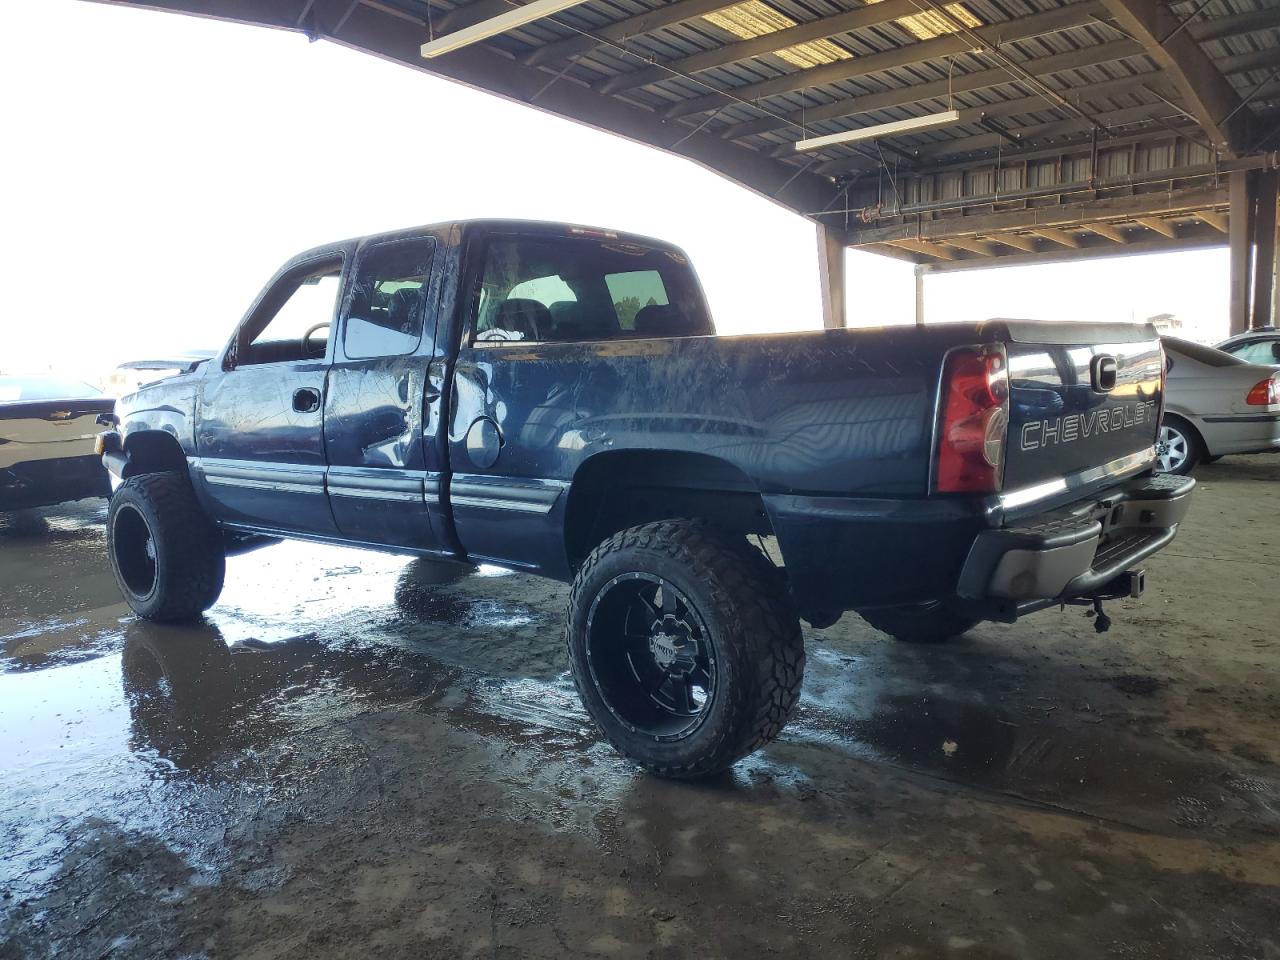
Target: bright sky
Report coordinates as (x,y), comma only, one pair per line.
(159,168)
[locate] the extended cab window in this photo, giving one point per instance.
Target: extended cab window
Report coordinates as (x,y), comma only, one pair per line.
(536,289)
(292,322)
(388,302)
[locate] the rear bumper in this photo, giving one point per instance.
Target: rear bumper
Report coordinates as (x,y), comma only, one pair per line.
(43,483)
(850,554)
(1076,551)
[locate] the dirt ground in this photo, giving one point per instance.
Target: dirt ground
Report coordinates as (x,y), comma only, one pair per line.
(360,755)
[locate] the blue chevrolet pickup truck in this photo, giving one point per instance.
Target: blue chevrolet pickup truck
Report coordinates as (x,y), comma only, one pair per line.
(554,399)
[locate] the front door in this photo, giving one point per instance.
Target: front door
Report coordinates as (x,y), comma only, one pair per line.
(260,436)
(383,478)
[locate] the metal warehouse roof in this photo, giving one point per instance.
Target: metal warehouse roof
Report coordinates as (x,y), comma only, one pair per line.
(1079,127)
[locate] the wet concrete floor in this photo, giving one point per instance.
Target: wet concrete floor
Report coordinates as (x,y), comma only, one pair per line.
(362,755)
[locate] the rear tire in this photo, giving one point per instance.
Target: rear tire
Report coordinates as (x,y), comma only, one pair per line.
(168,557)
(685,648)
(1180,447)
(926,623)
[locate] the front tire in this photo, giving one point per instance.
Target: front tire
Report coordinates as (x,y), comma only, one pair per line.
(167,555)
(926,623)
(685,648)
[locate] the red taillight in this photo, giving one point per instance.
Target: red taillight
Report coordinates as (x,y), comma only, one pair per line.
(973,422)
(1263,394)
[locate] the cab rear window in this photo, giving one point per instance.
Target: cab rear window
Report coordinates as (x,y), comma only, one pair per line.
(536,289)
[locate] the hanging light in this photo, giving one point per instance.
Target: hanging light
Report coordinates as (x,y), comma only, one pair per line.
(511,20)
(879,130)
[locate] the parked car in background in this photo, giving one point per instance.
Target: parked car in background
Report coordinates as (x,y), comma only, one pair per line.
(1260,345)
(128,377)
(48,428)
(1215,404)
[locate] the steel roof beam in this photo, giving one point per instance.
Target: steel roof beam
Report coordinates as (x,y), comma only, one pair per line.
(928,249)
(663,16)
(1110,231)
(1096,250)
(1058,236)
(1036,219)
(1263,59)
(983,248)
(1206,92)
(952,44)
(965,83)
(1056,128)
(1024,242)
(1233,26)
(1081,146)
(1162,227)
(1041,104)
(867,16)
(1214,219)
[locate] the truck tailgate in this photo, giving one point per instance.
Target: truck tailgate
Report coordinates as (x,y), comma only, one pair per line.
(1084,406)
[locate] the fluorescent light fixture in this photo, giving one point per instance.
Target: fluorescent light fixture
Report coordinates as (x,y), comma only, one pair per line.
(485,29)
(879,130)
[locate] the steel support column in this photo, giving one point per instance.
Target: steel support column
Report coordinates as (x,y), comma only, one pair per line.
(1264,245)
(919,295)
(1240,231)
(831,274)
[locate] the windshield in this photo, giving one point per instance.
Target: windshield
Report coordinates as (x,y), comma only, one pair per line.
(1201,354)
(13,389)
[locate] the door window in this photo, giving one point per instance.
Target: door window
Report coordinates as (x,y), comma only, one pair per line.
(388,301)
(292,322)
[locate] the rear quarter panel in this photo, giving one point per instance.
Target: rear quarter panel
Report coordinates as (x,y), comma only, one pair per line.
(846,413)
(1213,400)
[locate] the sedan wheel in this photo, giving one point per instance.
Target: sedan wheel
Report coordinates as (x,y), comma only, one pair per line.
(1177,450)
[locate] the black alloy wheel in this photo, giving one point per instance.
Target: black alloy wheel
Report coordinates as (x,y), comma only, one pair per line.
(685,646)
(135,552)
(651,657)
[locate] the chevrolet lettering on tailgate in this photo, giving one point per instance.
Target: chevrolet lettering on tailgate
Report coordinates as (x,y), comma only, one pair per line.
(1045,433)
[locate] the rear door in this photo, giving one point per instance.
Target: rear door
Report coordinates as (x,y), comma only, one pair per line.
(1084,407)
(384,483)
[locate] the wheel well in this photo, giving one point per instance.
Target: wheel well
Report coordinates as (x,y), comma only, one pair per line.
(154,451)
(613,491)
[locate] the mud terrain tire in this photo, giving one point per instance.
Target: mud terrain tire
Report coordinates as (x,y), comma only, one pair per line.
(168,557)
(744,626)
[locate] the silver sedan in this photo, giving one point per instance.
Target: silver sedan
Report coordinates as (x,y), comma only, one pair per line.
(1215,404)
